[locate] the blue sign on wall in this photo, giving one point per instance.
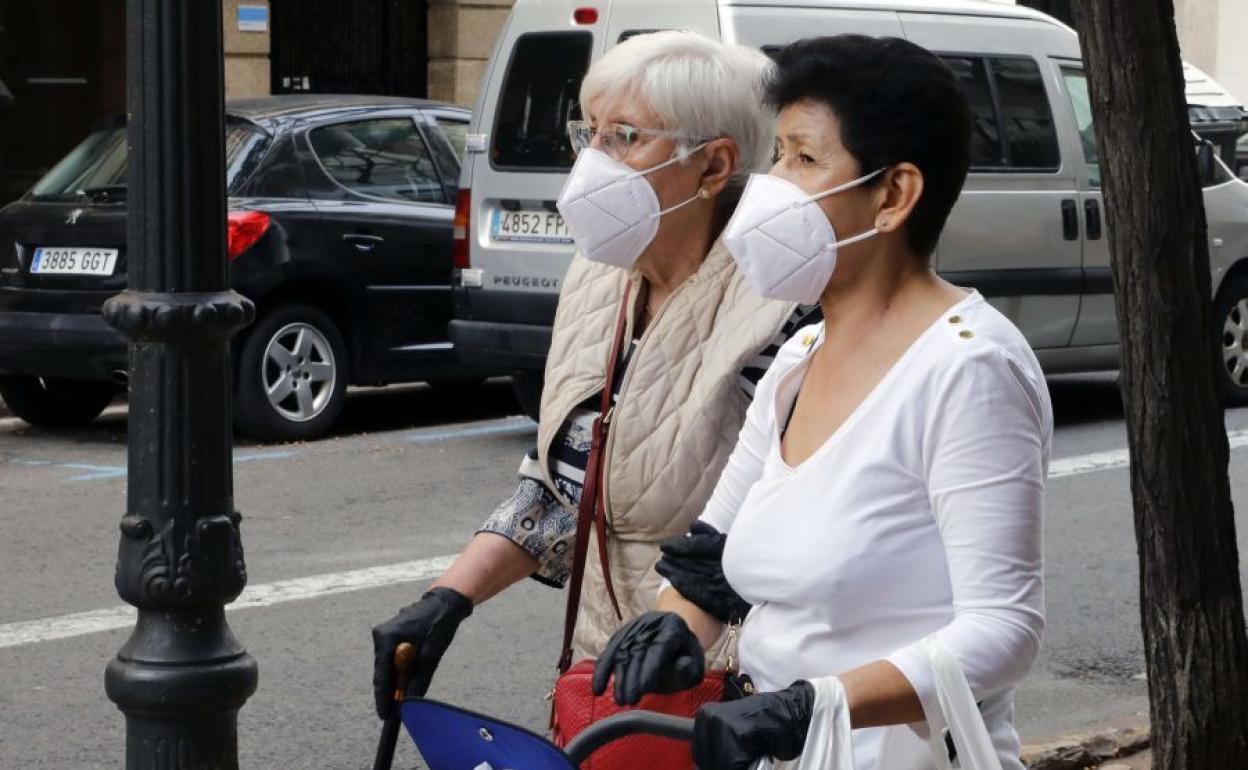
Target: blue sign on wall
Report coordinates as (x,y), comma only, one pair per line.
(253,18)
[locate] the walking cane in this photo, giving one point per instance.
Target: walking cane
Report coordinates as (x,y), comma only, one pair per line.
(403,655)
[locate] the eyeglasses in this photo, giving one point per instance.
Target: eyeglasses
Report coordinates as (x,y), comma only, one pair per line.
(615,139)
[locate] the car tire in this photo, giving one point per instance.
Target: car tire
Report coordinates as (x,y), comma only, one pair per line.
(527,386)
(291,382)
(54,403)
(1231,324)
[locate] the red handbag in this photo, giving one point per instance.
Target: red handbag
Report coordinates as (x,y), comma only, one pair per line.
(575,707)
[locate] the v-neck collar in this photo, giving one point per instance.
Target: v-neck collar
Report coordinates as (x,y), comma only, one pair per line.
(863,406)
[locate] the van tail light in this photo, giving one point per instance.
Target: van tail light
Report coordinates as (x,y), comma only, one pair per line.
(243,229)
(459,237)
(585,15)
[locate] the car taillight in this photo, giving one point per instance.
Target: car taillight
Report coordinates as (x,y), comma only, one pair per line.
(243,229)
(459,237)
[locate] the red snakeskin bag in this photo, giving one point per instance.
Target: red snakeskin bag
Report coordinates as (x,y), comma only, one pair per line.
(575,707)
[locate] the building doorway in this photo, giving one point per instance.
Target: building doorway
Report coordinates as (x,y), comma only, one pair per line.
(362,46)
(65,63)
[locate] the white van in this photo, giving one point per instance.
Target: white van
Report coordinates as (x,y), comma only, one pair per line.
(1027,231)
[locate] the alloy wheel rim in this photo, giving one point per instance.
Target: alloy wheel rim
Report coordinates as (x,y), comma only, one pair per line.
(1235,343)
(298,372)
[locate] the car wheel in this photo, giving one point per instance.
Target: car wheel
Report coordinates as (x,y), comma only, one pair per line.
(292,375)
(1231,321)
(52,403)
(528,389)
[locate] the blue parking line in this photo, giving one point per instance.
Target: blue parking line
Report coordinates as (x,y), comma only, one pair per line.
(102,472)
(252,456)
(513,426)
(98,471)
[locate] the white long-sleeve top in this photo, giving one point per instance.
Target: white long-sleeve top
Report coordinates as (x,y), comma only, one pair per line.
(921,514)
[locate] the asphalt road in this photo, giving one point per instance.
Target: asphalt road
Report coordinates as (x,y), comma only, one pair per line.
(404,481)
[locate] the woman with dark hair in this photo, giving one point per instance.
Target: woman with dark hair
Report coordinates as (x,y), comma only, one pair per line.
(886,494)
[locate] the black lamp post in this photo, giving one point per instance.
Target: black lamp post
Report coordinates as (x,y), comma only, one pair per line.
(182,676)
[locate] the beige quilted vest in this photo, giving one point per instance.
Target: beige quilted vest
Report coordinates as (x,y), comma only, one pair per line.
(675,423)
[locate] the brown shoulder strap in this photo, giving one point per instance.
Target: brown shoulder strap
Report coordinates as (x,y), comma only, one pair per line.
(591,513)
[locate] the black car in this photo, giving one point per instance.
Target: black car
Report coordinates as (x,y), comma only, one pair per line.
(339,230)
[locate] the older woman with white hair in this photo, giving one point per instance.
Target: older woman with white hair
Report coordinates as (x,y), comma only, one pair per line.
(657,335)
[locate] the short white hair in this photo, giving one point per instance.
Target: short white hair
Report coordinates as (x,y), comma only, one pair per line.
(699,87)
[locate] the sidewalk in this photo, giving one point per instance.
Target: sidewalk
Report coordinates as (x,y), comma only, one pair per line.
(1120,746)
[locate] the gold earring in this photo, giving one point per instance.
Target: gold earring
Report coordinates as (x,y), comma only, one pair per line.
(705,193)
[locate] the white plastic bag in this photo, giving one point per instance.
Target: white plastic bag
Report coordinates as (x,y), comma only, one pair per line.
(829,745)
(901,748)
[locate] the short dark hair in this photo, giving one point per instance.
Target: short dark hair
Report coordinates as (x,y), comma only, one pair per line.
(896,102)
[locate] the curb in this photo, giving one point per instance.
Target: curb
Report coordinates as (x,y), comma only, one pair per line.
(1076,752)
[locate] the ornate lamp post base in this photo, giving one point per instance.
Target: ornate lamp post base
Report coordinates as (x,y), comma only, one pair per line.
(182,676)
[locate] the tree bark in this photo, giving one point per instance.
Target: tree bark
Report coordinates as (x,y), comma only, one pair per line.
(1191,602)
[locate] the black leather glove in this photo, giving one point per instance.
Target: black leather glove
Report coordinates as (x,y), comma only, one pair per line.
(429,625)
(694,564)
(653,653)
(734,735)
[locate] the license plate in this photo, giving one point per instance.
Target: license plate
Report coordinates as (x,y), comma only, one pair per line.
(539,226)
(73,261)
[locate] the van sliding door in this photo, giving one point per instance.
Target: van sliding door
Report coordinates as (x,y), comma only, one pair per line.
(1015,232)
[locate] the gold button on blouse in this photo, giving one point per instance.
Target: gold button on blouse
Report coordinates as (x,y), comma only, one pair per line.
(955,319)
(966,334)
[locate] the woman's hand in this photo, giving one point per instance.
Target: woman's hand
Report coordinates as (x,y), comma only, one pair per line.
(653,653)
(694,565)
(429,625)
(735,735)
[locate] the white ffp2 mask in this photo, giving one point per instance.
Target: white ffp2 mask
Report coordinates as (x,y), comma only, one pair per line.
(610,209)
(783,243)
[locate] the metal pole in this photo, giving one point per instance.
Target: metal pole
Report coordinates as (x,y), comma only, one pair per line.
(182,676)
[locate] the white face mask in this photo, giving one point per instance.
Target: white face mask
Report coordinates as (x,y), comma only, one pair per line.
(783,242)
(611,210)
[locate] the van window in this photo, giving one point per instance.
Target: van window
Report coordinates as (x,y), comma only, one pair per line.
(384,158)
(1077,90)
(1030,136)
(1014,128)
(540,95)
(626,34)
(986,149)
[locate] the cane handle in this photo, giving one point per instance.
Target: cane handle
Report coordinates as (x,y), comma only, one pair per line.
(404,656)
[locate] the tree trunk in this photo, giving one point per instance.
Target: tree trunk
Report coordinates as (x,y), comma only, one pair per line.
(1191,603)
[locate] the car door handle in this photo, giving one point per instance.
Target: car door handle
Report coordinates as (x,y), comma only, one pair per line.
(1092,211)
(363,241)
(1070,220)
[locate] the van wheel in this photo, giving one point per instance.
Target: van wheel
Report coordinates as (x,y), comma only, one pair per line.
(292,376)
(527,386)
(50,403)
(1231,321)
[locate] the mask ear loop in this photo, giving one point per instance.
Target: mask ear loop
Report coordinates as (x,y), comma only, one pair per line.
(842,187)
(667,163)
(852,239)
(674,159)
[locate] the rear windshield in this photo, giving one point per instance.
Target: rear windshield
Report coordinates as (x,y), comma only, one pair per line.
(539,98)
(96,168)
